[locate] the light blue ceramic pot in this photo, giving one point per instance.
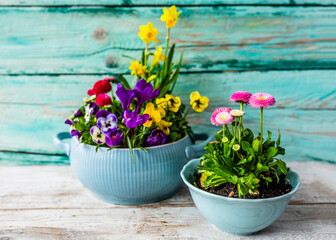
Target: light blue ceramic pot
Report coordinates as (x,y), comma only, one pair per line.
(111,175)
(237,216)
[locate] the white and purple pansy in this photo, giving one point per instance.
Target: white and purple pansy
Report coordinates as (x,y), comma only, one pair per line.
(90,109)
(97,135)
(106,121)
(76,133)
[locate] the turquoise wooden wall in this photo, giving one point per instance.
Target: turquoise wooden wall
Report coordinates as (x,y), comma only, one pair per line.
(52,51)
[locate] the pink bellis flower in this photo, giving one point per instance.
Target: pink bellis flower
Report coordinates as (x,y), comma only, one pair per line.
(221,116)
(261,100)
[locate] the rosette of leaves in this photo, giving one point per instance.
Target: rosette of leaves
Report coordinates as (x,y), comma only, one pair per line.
(244,168)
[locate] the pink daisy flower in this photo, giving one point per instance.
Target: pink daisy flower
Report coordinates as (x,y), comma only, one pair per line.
(259,100)
(221,116)
(240,96)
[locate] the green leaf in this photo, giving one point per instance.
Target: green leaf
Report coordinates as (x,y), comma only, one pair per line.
(245,145)
(242,189)
(242,161)
(124,82)
(143,149)
(281,151)
(269,135)
(267,179)
(129,144)
(175,74)
(278,140)
(282,166)
(271,152)
(256,144)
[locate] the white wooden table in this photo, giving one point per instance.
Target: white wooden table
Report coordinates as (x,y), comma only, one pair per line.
(48,202)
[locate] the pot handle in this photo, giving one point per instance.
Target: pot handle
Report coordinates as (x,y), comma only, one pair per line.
(193,149)
(58,141)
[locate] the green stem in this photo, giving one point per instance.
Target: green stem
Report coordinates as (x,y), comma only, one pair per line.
(146,55)
(226,127)
(261,129)
(232,130)
(187,112)
(236,134)
(166,49)
(223,138)
(239,130)
(241,119)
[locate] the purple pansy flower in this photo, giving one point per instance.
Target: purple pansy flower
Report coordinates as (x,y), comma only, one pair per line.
(102,113)
(125,96)
(132,119)
(90,109)
(108,124)
(97,135)
(144,92)
(78,114)
(68,121)
(114,139)
(156,138)
(75,133)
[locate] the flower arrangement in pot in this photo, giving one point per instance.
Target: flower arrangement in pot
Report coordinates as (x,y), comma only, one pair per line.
(241,185)
(128,145)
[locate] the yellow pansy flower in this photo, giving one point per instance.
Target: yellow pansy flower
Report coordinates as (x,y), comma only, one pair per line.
(157,56)
(137,68)
(173,103)
(148,33)
(198,102)
(153,115)
(161,111)
(170,16)
(161,103)
(164,126)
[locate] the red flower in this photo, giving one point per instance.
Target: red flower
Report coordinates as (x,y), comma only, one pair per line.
(101,86)
(103,100)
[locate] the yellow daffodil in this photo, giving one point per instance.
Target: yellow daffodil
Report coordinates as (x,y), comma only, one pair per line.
(164,126)
(198,102)
(148,33)
(151,78)
(161,103)
(173,103)
(137,68)
(161,111)
(153,115)
(157,56)
(170,16)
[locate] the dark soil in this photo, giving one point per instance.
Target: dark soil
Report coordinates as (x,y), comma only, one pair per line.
(273,189)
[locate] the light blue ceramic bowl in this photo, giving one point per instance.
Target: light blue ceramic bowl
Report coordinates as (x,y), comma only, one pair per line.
(111,175)
(237,216)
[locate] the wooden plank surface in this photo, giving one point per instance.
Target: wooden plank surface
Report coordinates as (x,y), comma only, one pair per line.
(95,39)
(307,113)
(165,2)
(48,202)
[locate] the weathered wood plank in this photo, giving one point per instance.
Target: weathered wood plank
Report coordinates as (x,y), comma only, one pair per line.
(137,2)
(292,89)
(61,208)
(307,133)
(28,159)
(94,40)
(165,2)
(298,221)
(64,191)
